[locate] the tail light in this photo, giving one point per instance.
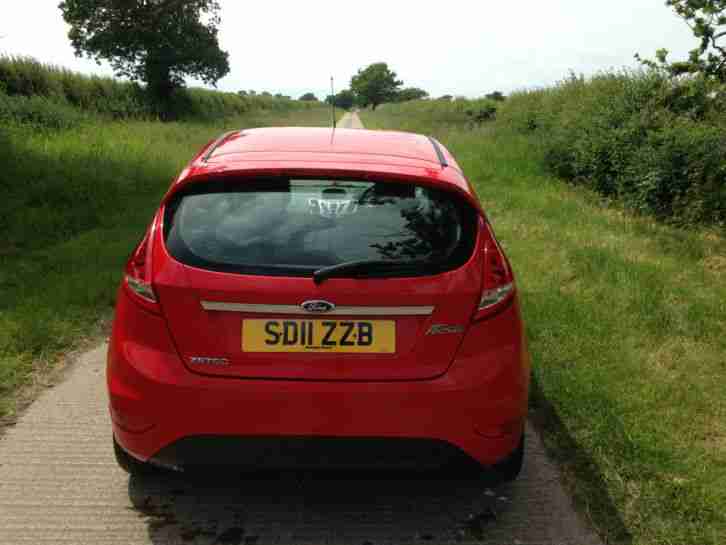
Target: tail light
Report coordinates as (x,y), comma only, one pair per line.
(137,278)
(498,284)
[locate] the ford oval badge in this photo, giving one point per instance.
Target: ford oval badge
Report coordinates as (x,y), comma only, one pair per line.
(317,307)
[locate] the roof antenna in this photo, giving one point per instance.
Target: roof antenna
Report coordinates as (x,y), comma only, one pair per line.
(332,100)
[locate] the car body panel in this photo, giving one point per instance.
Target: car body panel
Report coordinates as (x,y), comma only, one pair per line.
(217,334)
(304,141)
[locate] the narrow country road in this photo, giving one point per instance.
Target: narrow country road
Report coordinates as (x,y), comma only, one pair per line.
(350,120)
(59,484)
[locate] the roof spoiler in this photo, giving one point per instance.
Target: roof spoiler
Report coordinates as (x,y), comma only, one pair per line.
(218,142)
(440,154)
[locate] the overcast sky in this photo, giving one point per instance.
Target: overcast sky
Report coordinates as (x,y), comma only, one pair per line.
(447,47)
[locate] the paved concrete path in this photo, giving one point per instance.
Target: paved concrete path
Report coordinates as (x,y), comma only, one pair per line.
(59,483)
(350,120)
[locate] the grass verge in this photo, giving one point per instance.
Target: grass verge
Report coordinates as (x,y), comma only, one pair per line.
(626,321)
(74,204)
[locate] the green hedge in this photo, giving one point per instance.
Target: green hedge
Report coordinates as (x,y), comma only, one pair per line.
(442,111)
(31,91)
(654,143)
(26,77)
(40,112)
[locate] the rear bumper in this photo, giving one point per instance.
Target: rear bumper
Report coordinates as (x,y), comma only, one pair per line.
(478,405)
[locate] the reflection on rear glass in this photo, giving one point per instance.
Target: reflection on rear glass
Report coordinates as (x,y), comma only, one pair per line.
(315,223)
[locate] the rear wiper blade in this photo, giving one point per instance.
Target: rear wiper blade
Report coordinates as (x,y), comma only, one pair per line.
(368,268)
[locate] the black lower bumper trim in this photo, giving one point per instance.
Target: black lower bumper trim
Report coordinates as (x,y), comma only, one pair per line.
(309,453)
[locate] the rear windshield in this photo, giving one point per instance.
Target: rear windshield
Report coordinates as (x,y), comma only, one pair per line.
(294,227)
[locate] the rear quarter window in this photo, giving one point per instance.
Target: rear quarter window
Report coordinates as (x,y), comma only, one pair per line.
(294,227)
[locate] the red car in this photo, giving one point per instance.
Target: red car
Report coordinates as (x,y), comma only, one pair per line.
(319,297)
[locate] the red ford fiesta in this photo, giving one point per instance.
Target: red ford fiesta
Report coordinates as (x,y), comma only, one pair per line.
(318,297)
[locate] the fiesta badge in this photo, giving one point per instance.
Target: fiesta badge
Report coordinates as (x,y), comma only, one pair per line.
(317,307)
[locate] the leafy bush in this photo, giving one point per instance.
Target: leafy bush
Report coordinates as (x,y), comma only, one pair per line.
(39,112)
(679,172)
(656,143)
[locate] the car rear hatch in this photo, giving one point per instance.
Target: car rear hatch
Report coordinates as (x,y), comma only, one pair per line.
(250,307)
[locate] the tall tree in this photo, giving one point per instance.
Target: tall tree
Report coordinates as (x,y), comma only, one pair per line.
(707,19)
(497,96)
(375,85)
(158,42)
(410,93)
(309,97)
(344,99)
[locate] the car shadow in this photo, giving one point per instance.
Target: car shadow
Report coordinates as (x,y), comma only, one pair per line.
(361,507)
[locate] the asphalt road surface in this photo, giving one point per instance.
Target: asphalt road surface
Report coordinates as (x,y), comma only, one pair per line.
(59,484)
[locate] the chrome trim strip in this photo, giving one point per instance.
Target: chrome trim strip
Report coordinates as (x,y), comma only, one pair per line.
(338,311)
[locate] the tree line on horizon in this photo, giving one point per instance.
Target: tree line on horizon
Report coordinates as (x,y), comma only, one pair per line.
(377,84)
(347,98)
(160,43)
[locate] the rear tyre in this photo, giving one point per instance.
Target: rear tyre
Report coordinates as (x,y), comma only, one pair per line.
(128,463)
(509,468)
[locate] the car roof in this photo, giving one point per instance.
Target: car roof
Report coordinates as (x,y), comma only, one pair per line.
(349,142)
(310,151)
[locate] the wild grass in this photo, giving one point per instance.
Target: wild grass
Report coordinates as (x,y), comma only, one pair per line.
(626,319)
(74,203)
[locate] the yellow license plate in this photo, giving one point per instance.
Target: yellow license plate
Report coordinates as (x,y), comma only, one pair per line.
(353,336)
